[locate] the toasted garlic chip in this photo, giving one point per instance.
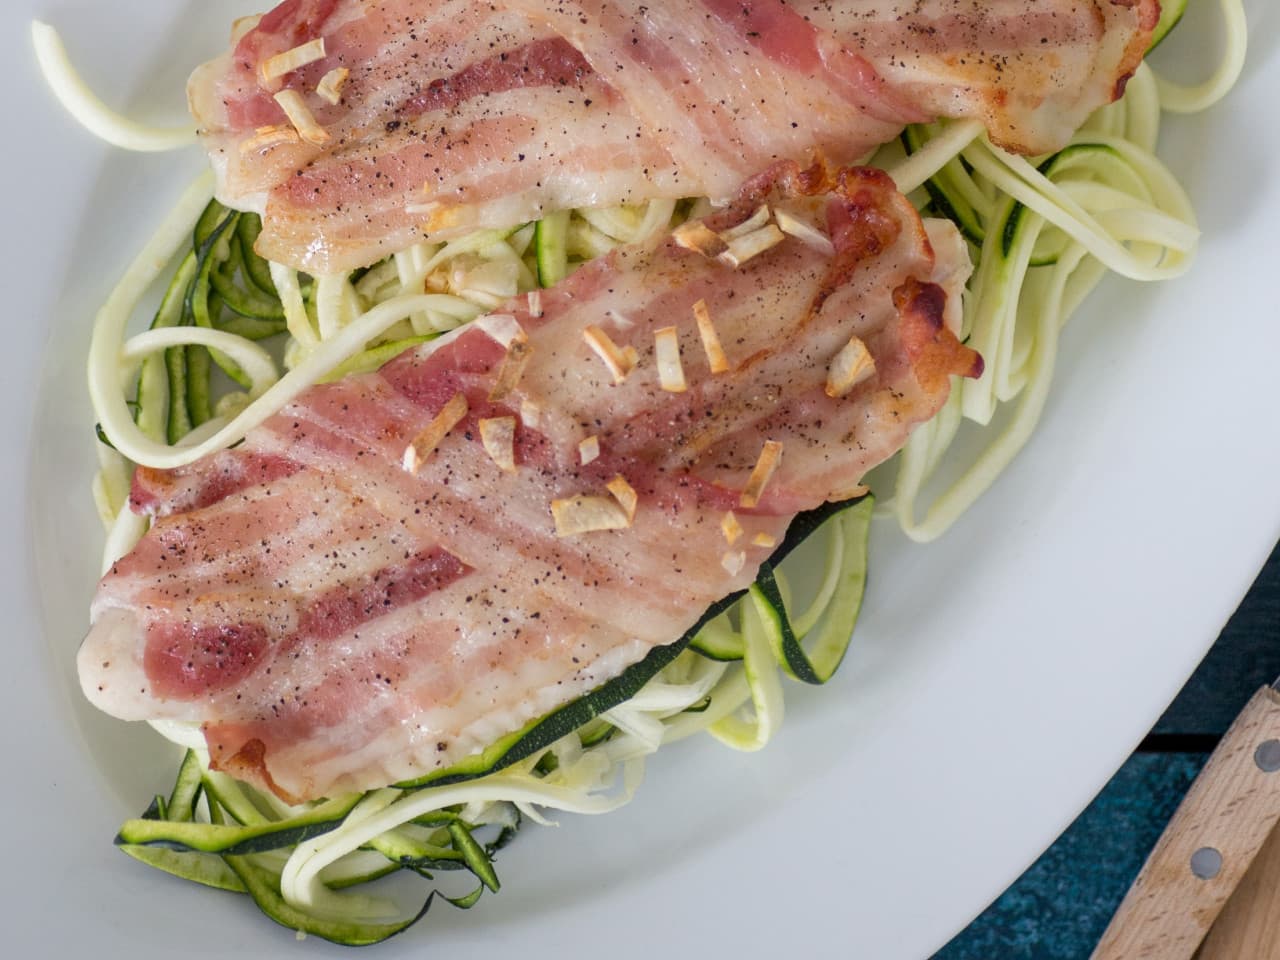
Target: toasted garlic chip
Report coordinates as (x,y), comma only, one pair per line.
(329,88)
(303,120)
(619,362)
(710,338)
(743,248)
(589,450)
(737,245)
(625,494)
(273,68)
(770,457)
(753,223)
(498,435)
(426,442)
(667,356)
(587,514)
(731,528)
(805,233)
(331,84)
(265,138)
(852,365)
(519,353)
(698,237)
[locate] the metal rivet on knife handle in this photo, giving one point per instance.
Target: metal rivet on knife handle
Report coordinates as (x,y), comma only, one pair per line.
(1267,756)
(1206,863)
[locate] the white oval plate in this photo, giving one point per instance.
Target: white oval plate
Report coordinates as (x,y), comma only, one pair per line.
(997,679)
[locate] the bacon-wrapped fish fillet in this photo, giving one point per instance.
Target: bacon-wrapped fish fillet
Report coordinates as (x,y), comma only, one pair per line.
(433,117)
(400,567)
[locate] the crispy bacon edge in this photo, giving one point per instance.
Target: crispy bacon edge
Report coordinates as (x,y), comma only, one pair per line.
(933,349)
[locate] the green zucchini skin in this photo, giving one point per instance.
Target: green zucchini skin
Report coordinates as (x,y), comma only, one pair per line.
(237,840)
(248,300)
(181,805)
(214,214)
(156,378)
(816,661)
(551,248)
(204,306)
(256,270)
(206,869)
(221,855)
(178,418)
(220,284)
(264,887)
(727,650)
(1171,12)
(944,194)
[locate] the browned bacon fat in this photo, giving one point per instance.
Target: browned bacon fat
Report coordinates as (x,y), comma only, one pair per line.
(359,128)
(400,567)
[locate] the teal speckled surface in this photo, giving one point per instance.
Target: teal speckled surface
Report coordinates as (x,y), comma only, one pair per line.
(1058,909)
(1061,905)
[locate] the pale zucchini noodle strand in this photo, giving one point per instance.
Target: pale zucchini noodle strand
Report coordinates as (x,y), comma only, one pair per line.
(256,363)
(107,387)
(1177,98)
(95,116)
(297,322)
(1106,203)
(751,729)
(300,880)
(940,151)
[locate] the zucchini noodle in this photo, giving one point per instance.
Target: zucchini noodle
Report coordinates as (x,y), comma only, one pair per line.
(123,534)
(1042,232)
(251,358)
(1181,99)
(94,115)
(753,728)
(912,173)
(300,883)
(107,387)
(295,309)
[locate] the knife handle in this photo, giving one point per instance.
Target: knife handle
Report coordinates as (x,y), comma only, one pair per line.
(1249,925)
(1207,847)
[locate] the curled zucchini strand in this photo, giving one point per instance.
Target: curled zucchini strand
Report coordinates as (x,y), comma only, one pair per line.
(94,115)
(1057,226)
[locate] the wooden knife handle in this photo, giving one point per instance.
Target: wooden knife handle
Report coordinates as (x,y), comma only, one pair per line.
(1249,925)
(1213,837)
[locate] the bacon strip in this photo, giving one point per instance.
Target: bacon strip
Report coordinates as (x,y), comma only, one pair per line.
(457,115)
(454,115)
(344,624)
